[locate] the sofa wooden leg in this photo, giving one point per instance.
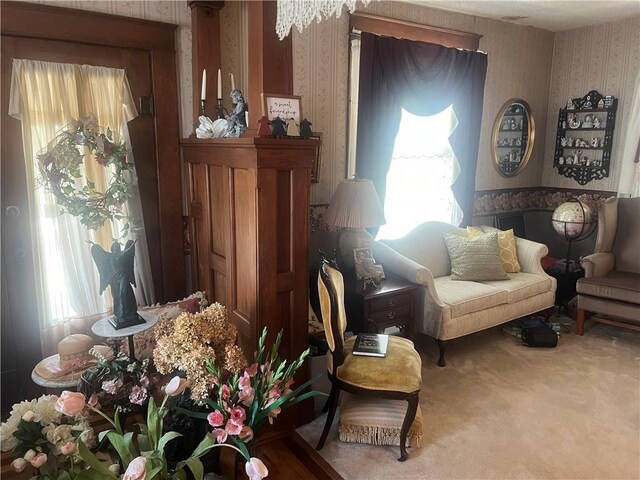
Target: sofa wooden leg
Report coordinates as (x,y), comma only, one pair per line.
(580,322)
(442,346)
(548,313)
(412,409)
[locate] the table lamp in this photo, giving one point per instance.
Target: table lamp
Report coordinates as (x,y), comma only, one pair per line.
(354,206)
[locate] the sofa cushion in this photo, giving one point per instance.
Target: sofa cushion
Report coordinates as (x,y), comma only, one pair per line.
(506,246)
(475,258)
(468,297)
(614,285)
(522,285)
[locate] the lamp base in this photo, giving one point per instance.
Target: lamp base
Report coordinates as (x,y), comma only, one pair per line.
(348,240)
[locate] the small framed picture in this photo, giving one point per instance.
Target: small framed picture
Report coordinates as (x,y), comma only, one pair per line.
(284,106)
(363,260)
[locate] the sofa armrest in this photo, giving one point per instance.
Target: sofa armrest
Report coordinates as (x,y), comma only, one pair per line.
(406,268)
(597,264)
(530,254)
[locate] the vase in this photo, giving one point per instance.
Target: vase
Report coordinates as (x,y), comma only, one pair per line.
(193,430)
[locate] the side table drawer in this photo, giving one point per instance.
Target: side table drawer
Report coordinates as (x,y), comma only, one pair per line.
(388,302)
(392,316)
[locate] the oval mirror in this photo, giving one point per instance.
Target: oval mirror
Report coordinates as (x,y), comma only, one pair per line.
(513,136)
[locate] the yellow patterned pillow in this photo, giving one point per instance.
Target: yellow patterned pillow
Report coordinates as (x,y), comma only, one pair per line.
(507,245)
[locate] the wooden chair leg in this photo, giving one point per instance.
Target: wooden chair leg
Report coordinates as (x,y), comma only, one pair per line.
(442,346)
(412,409)
(333,405)
(580,322)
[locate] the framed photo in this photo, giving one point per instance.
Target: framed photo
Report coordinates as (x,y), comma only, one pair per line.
(283,106)
(362,258)
(315,165)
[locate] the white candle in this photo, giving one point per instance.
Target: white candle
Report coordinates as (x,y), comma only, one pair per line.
(203,94)
(233,82)
(219,84)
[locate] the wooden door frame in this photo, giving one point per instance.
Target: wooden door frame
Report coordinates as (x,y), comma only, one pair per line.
(158,39)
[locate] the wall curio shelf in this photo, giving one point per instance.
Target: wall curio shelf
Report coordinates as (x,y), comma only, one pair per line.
(585,136)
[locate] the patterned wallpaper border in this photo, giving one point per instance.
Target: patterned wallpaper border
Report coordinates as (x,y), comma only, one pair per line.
(497,202)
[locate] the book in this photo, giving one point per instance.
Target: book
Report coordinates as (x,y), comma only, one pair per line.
(371,345)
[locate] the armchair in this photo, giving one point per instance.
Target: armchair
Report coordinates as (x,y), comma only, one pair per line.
(611,285)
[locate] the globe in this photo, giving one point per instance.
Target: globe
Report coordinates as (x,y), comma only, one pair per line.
(572,220)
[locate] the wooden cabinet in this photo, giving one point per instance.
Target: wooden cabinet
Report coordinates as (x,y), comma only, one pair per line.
(585,136)
(249,221)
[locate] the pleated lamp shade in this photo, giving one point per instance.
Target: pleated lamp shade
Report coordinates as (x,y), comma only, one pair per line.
(355,204)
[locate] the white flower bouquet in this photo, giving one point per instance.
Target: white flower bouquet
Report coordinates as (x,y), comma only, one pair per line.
(44,440)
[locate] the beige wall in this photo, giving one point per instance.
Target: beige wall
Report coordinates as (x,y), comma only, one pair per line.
(604,58)
(519,65)
(176,12)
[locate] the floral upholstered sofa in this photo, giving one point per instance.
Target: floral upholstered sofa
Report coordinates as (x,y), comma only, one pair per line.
(453,308)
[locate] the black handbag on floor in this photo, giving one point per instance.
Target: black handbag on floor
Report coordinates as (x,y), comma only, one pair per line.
(540,336)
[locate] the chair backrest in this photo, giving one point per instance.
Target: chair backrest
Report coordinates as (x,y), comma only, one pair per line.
(625,244)
(334,318)
(425,246)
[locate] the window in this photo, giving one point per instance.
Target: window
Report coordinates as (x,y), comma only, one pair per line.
(423,167)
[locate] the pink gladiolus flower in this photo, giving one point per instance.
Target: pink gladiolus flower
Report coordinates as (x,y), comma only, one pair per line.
(233,428)
(238,414)
(136,470)
(273,414)
(246,434)
(246,396)
(220,434)
(70,403)
(215,418)
(252,370)
(275,393)
(19,464)
(255,469)
(287,386)
(225,392)
(68,448)
(39,460)
(176,386)
(244,382)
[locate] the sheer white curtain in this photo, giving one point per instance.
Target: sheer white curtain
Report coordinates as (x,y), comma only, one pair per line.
(629,185)
(45,97)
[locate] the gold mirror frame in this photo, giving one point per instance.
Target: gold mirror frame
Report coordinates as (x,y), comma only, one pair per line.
(530,138)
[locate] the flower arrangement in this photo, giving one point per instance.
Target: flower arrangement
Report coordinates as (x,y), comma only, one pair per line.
(60,167)
(41,438)
(187,342)
(245,403)
(144,459)
(119,381)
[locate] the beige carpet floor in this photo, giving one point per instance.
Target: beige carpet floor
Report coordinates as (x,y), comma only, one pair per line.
(500,410)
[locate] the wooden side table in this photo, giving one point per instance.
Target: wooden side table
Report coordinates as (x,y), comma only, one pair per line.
(393,303)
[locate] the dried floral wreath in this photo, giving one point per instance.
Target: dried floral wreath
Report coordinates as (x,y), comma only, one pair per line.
(60,173)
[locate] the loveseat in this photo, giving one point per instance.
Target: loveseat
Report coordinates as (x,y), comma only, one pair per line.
(453,308)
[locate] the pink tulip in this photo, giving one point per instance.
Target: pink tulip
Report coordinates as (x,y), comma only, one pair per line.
(176,386)
(68,448)
(255,469)
(238,414)
(70,403)
(215,418)
(19,464)
(137,469)
(39,460)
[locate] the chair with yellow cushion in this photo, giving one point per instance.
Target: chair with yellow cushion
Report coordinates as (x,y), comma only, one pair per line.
(396,376)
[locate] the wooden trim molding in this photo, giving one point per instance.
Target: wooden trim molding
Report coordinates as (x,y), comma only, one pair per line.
(392,27)
(157,40)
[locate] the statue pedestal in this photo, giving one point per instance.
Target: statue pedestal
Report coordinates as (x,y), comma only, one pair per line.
(104,328)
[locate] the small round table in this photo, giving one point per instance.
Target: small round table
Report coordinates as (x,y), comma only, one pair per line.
(55,384)
(103,328)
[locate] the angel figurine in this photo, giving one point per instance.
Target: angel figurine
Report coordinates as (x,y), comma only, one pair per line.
(116,271)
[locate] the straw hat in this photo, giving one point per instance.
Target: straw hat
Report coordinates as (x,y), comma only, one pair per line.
(72,359)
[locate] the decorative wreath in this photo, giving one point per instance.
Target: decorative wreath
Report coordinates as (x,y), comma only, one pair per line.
(61,173)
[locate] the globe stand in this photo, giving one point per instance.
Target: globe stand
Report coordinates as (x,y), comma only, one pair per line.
(573,230)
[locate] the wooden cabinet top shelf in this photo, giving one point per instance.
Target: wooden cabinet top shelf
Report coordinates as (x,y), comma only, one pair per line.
(586,110)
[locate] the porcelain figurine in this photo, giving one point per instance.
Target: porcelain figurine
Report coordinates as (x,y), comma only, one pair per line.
(595,142)
(561,160)
(596,122)
(573,120)
(588,121)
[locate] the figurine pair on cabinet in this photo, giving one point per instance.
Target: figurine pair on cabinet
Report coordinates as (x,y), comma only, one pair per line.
(276,128)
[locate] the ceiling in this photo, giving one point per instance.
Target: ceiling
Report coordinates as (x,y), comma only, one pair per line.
(553,15)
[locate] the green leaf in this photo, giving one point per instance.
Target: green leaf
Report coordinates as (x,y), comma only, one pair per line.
(153,472)
(189,413)
(100,470)
(118,442)
(206,444)
(167,437)
(241,445)
(195,465)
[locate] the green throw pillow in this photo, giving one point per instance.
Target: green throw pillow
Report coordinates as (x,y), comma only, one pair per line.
(475,258)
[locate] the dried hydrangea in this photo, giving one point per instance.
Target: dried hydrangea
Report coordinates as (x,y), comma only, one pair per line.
(186,342)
